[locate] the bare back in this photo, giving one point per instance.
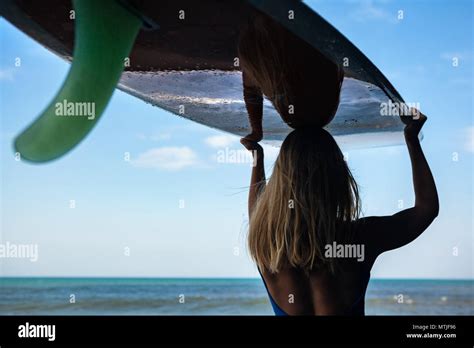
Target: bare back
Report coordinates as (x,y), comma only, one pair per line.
(320,292)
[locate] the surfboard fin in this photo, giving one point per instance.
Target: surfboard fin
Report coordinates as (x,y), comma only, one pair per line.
(104,35)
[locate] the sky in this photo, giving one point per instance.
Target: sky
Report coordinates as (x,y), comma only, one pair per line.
(172,210)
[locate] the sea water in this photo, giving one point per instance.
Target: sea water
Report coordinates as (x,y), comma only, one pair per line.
(159,296)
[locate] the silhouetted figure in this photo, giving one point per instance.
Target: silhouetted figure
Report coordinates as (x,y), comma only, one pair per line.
(309,205)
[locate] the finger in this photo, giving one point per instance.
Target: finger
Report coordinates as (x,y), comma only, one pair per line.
(248,144)
(244,143)
(417,115)
(421,119)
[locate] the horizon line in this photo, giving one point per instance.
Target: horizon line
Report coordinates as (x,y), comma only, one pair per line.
(203,278)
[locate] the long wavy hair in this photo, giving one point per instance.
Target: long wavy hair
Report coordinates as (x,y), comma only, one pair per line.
(307,204)
(289,71)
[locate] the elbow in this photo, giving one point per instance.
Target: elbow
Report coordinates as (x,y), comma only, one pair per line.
(428,209)
(436,212)
(431,214)
(435,209)
(428,214)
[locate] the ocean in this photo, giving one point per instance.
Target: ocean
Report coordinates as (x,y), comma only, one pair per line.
(159,296)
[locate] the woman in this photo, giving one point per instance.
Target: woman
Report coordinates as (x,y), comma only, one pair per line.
(310,205)
(291,73)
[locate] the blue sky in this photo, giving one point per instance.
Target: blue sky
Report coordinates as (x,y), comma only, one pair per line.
(127,219)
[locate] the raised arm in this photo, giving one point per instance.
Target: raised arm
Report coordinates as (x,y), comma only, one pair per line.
(257,180)
(253,99)
(391,232)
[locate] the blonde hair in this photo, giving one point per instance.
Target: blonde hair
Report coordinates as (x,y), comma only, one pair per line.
(289,71)
(308,200)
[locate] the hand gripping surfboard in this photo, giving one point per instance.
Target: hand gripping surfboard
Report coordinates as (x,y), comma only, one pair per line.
(104,35)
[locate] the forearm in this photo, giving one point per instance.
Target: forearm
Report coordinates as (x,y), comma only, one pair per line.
(257,181)
(254,110)
(253,99)
(426,195)
(252,92)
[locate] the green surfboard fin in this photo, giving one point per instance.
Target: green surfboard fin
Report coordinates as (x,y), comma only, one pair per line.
(104,35)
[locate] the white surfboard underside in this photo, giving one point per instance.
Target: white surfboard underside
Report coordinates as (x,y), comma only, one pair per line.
(214,98)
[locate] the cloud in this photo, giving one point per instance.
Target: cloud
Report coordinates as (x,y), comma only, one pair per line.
(167,158)
(220,140)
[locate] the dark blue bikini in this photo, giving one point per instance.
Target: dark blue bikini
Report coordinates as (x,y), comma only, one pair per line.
(278,311)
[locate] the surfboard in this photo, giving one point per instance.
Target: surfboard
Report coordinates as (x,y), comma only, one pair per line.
(181,58)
